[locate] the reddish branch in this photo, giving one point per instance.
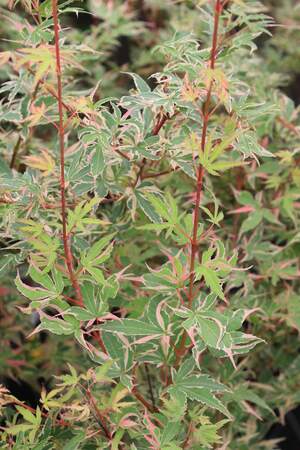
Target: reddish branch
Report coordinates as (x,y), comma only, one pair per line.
(18,145)
(100,417)
(144,402)
(206,117)
(134,391)
(206,114)
(288,125)
(61,133)
(156,129)
(59,422)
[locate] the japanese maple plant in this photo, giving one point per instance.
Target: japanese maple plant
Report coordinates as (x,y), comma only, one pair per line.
(142,228)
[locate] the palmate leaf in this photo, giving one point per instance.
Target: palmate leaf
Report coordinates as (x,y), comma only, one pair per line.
(197,387)
(214,266)
(163,279)
(91,298)
(252,221)
(94,305)
(207,433)
(51,287)
(58,326)
(78,218)
(246,397)
(96,255)
(212,280)
(148,209)
(118,351)
(42,56)
(164,213)
(111,152)
(249,146)
(219,331)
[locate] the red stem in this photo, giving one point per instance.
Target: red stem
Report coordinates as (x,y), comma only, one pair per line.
(143,401)
(200,173)
(206,117)
(61,133)
(99,415)
(156,129)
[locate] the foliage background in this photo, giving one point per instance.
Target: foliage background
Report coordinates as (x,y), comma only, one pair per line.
(118,37)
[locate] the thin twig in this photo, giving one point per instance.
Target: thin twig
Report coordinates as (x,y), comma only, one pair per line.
(288,125)
(142,400)
(150,387)
(200,174)
(59,422)
(101,418)
(61,133)
(156,129)
(15,152)
(134,390)
(19,141)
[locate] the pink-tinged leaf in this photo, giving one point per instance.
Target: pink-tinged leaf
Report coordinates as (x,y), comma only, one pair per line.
(230,356)
(124,340)
(153,446)
(108,316)
(243,209)
(35,331)
(145,339)
(248,312)
(88,346)
(126,343)
(126,422)
(152,439)
(105,318)
(165,343)
(191,333)
(95,351)
(159,317)
(251,410)
(32,293)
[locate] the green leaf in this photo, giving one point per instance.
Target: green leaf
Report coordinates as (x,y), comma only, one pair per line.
(110,288)
(207,434)
(97,161)
(95,255)
(170,431)
(21,428)
(147,208)
(243,393)
(33,293)
(198,387)
(92,299)
(27,415)
(73,443)
(57,326)
(39,277)
(132,327)
(246,198)
(212,280)
(210,331)
(81,313)
(97,274)
(140,84)
(252,221)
